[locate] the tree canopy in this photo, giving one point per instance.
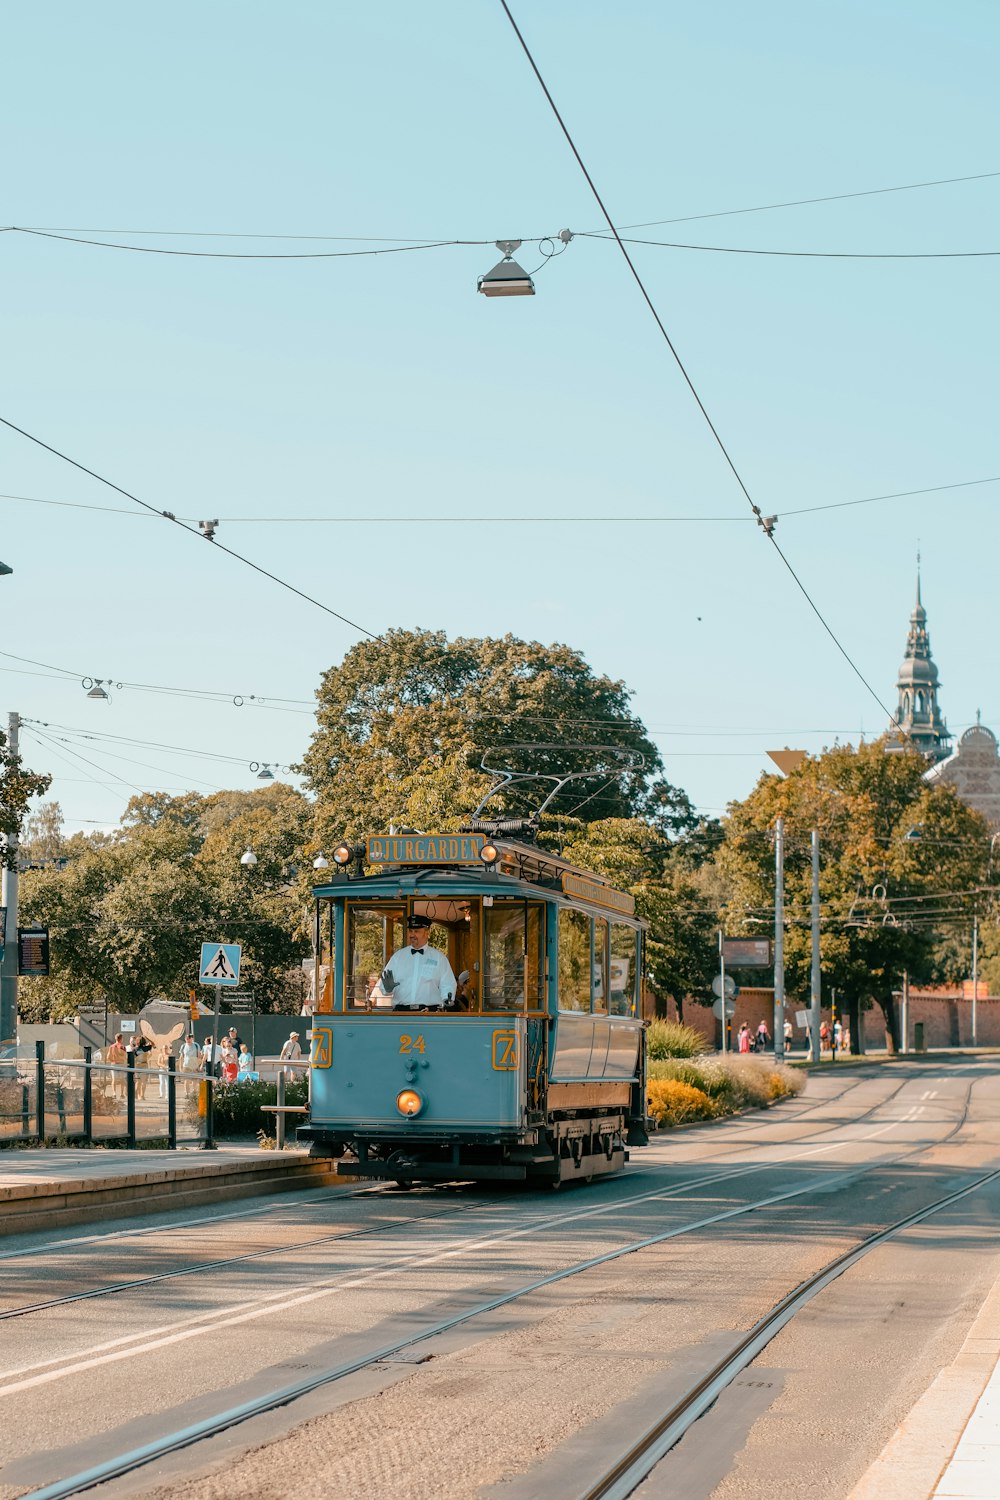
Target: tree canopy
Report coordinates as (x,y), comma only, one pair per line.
(404,722)
(899,860)
(127,916)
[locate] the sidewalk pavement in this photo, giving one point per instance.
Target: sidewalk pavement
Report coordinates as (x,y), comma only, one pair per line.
(948,1448)
(45,1189)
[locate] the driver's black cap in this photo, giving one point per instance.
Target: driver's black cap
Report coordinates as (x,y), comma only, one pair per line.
(418,920)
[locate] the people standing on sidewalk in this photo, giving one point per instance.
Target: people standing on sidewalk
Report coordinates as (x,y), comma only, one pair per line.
(116,1056)
(162,1059)
(245,1061)
(138,1051)
(189,1061)
(788,1036)
(743,1039)
(824,1036)
(763,1038)
(289,1052)
(210,1058)
(228,1065)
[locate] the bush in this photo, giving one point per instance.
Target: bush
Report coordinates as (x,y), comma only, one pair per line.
(674,1103)
(236,1107)
(674,1039)
(730,1084)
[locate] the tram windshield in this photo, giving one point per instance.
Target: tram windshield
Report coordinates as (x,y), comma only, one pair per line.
(375,933)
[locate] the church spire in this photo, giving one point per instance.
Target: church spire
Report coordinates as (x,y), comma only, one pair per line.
(918,716)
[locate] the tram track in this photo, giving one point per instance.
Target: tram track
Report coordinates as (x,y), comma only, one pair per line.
(622,1478)
(213,1266)
(128,1462)
(225,1262)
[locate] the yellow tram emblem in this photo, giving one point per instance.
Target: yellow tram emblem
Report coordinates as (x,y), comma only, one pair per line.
(505,1059)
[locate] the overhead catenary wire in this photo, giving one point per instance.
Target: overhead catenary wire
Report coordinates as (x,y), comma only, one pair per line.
(191,530)
(805,254)
(465,520)
(433,241)
(768,530)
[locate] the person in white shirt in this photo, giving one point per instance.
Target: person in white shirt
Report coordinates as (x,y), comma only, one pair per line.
(417,977)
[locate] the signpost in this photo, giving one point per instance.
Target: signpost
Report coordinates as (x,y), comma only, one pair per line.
(219,966)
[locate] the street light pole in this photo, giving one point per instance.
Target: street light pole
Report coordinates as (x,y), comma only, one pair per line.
(816,978)
(975,976)
(779,940)
(722,994)
(8,900)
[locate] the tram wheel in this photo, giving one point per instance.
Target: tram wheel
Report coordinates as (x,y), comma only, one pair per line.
(404,1183)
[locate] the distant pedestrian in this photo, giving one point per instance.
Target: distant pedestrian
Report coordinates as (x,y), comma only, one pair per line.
(210,1057)
(838,1036)
(163,1057)
(743,1039)
(763,1038)
(245,1062)
(137,1052)
(824,1036)
(235,1040)
(788,1036)
(190,1057)
(845,1036)
(228,1066)
(116,1056)
(289,1052)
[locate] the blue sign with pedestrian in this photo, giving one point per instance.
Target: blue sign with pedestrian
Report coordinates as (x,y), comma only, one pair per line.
(220,963)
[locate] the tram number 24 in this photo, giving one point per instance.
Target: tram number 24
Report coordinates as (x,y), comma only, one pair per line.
(411,1043)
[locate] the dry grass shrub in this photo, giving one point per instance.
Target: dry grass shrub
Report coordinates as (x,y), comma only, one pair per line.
(730,1083)
(673,1039)
(675,1103)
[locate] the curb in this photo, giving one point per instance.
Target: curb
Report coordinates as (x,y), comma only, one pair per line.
(32,1206)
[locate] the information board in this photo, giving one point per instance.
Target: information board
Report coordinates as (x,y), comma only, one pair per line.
(747,953)
(33,951)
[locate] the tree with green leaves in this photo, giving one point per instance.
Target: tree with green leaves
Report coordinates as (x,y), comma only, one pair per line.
(404,722)
(17,787)
(126,919)
(897,856)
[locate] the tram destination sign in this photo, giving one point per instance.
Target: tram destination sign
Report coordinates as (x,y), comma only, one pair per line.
(747,953)
(425,849)
(33,951)
(597,894)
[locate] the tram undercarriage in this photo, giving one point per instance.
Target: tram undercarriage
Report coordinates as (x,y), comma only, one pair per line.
(563,1150)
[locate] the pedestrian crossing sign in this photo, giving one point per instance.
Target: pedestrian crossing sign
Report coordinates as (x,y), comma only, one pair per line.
(220,963)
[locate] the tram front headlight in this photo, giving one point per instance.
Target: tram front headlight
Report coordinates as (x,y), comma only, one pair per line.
(409,1103)
(342,855)
(489,854)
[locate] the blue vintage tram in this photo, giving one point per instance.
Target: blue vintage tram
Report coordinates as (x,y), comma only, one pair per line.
(533,1068)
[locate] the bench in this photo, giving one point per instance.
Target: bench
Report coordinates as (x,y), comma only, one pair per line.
(280,1111)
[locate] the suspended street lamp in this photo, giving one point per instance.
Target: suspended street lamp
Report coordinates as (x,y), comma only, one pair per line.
(507,278)
(248,859)
(94,688)
(321,862)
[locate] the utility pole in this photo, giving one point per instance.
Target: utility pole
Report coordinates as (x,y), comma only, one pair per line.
(722,995)
(906,1012)
(816,978)
(8,900)
(779,940)
(975,976)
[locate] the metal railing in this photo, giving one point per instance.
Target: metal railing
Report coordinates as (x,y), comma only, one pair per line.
(88,1102)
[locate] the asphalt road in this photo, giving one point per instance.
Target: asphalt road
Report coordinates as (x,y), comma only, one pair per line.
(536,1397)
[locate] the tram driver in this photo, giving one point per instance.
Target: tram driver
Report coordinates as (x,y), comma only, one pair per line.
(417,977)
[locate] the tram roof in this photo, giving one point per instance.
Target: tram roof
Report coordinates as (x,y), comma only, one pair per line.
(519,868)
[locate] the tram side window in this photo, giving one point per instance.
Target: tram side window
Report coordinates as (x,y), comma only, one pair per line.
(600,1002)
(513,976)
(624,941)
(574,960)
(373,935)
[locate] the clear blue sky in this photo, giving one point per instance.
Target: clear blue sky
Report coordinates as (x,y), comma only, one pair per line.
(386,388)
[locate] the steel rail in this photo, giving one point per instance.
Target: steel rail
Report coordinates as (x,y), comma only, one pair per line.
(136,1458)
(618,1482)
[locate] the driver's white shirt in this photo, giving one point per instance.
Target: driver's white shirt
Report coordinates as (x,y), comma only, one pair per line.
(413,979)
